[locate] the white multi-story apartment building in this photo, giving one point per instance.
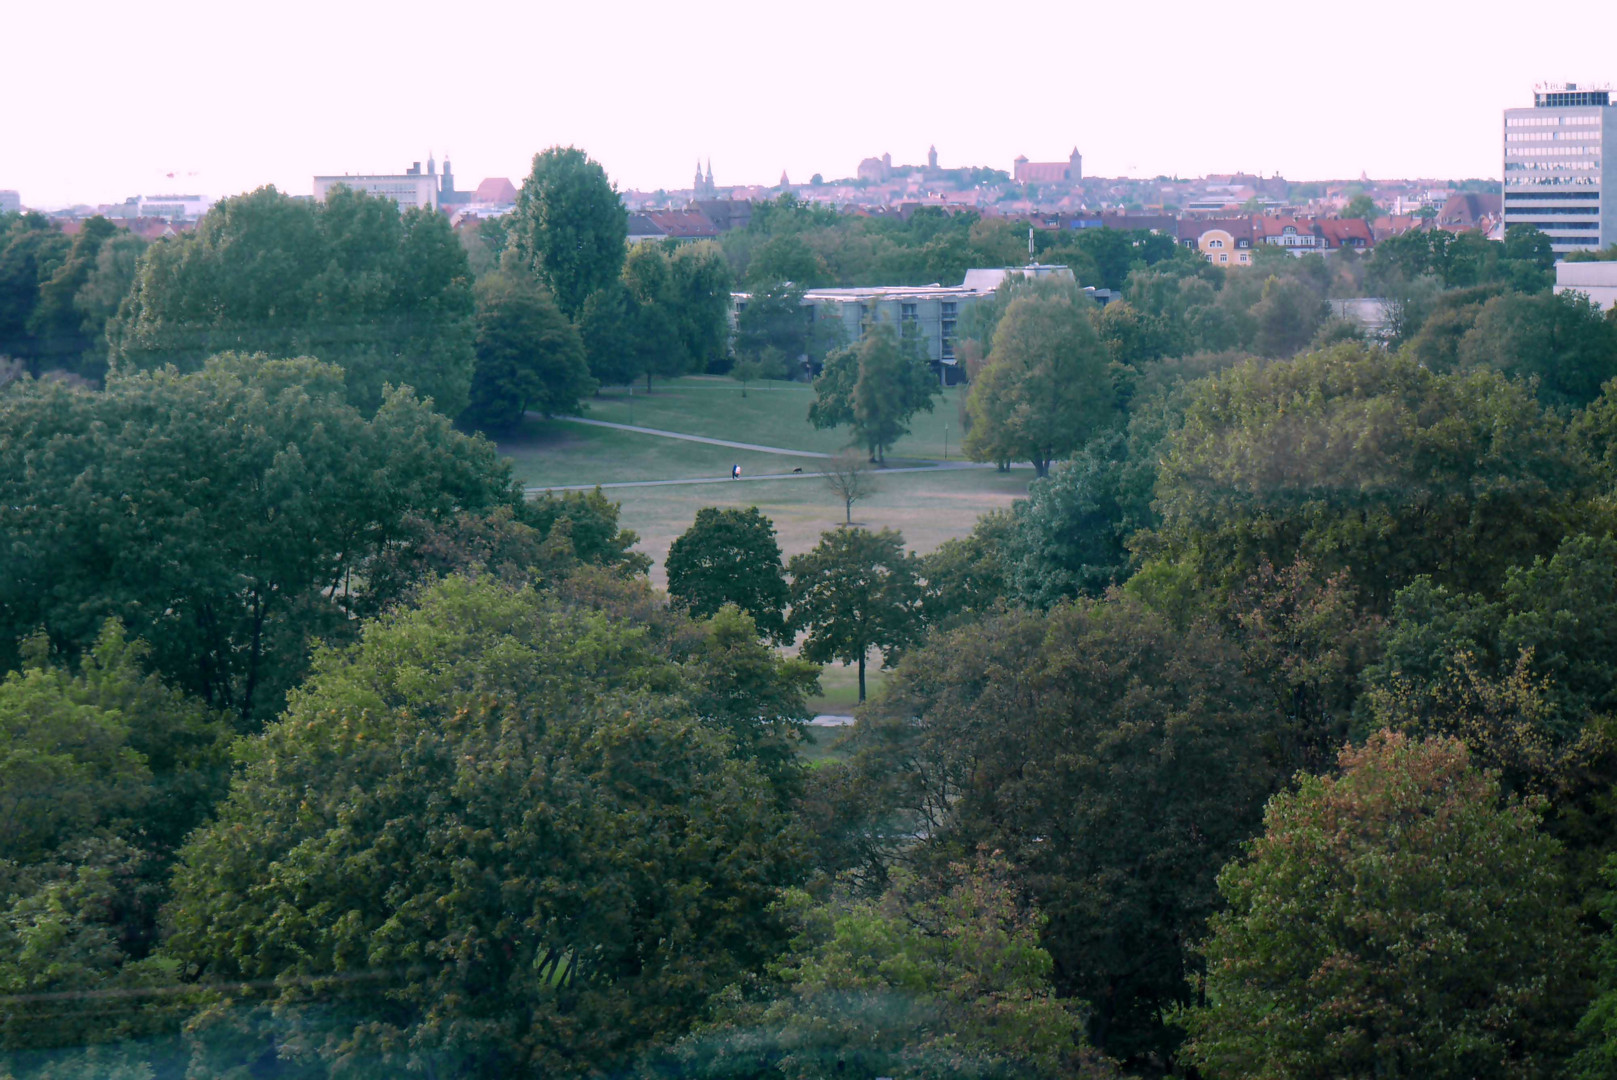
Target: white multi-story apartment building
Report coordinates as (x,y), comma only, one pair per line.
(1557,175)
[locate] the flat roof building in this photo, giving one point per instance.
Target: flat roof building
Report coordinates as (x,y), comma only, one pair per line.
(928,314)
(410,188)
(10,202)
(1596,280)
(1556,172)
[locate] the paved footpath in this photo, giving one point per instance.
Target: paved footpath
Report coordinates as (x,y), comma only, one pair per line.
(931,466)
(937,466)
(691,438)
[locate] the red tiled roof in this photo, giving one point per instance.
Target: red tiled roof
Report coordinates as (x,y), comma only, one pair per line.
(495,190)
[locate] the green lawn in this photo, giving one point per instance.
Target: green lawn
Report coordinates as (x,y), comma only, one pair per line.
(555,452)
(772,413)
(927,507)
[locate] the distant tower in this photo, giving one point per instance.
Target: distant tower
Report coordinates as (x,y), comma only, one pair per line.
(448,185)
(696,188)
(432,166)
(1075,166)
(932,157)
(784,182)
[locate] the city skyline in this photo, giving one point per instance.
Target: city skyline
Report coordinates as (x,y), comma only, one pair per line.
(761,96)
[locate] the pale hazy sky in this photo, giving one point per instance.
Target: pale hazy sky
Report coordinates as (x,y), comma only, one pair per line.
(98,101)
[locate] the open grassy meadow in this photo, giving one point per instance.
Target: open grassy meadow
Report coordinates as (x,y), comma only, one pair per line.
(928,507)
(773,413)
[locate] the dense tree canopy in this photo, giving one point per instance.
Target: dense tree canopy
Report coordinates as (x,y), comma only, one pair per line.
(226,516)
(1116,762)
(854,592)
(1367,463)
(560,859)
(936,977)
(1047,388)
(1394,921)
(351,281)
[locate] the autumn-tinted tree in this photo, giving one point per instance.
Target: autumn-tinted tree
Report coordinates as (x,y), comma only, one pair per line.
(227,516)
(1358,461)
(350,280)
(569,227)
(1047,388)
(873,388)
(529,357)
(1397,920)
(560,862)
(1115,761)
(855,591)
(730,557)
(935,977)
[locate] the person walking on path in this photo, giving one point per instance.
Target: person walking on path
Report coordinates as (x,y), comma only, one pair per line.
(735,472)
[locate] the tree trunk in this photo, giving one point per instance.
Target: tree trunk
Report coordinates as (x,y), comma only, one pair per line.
(861,678)
(648,382)
(847,511)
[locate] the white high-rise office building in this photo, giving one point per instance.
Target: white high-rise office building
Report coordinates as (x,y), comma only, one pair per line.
(1557,176)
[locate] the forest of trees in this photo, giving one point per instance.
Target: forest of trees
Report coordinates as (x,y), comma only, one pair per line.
(1273,734)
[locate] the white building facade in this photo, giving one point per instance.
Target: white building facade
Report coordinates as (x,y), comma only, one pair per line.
(410,188)
(1596,280)
(1557,175)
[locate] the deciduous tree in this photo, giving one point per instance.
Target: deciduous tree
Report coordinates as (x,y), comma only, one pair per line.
(730,557)
(352,281)
(1047,388)
(569,227)
(1394,920)
(873,387)
(491,837)
(855,591)
(529,357)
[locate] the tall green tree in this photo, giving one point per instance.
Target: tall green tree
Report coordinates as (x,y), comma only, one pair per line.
(1368,463)
(1562,341)
(31,252)
(873,388)
(560,862)
(351,281)
(1047,388)
(855,591)
(1115,761)
(657,296)
(227,516)
(701,291)
(730,556)
(529,357)
(569,227)
(1396,920)
(1286,316)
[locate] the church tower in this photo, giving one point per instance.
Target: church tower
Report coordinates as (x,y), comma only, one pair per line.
(932,157)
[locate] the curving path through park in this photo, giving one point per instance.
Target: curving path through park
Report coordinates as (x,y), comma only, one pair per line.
(929,466)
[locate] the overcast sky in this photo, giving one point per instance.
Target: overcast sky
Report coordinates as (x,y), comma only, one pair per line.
(101,101)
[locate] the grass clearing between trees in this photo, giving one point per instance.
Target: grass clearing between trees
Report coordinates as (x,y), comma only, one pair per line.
(927,507)
(773,413)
